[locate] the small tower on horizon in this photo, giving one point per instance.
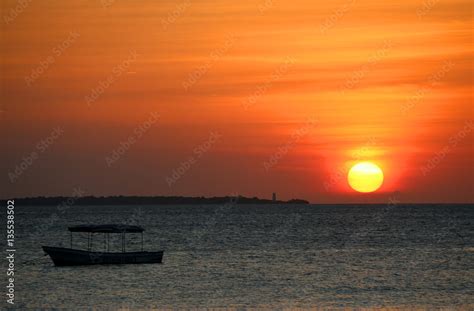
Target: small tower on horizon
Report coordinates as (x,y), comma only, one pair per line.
(274,197)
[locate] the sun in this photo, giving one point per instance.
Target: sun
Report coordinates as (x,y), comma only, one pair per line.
(365,177)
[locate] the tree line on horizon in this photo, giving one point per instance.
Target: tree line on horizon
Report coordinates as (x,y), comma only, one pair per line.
(149,200)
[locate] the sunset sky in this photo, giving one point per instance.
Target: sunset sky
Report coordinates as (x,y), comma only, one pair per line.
(215,98)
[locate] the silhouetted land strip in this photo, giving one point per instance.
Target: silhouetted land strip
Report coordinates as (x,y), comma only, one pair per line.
(154,200)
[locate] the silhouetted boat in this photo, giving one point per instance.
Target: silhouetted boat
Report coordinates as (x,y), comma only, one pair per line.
(71,257)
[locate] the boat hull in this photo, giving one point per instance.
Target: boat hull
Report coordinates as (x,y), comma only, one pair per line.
(75,257)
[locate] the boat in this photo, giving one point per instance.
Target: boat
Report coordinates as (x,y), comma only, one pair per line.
(72,257)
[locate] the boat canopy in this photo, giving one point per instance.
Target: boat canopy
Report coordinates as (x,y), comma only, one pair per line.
(107,228)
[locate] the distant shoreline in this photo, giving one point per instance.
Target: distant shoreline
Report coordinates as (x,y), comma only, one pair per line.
(148,200)
(175,200)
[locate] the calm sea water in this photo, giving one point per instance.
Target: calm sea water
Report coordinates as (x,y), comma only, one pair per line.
(264,256)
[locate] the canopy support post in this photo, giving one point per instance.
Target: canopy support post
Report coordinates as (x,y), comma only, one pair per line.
(142,241)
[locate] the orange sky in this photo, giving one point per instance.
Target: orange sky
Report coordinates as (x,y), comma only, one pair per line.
(296,92)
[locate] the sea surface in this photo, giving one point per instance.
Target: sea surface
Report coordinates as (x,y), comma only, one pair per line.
(254,256)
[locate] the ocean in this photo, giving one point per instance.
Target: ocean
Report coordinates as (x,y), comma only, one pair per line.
(254,256)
